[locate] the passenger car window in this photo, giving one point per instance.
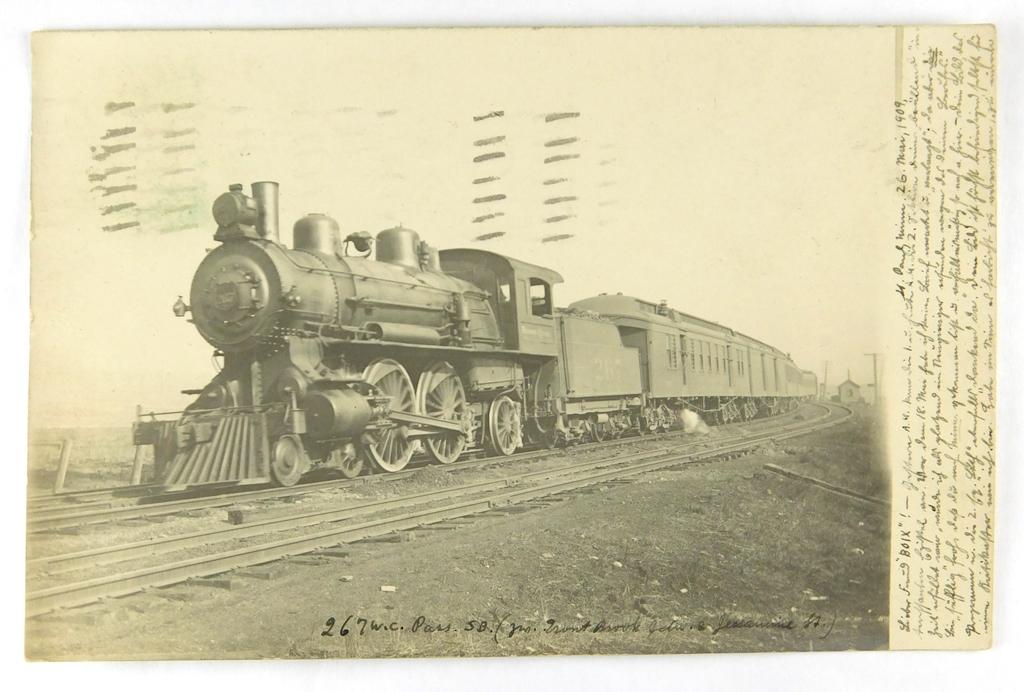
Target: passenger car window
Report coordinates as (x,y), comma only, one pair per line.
(671,353)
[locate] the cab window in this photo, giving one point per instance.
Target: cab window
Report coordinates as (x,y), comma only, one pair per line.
(540,297)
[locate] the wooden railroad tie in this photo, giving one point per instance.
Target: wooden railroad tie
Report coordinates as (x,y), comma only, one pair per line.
(220,581)
(262,572)
(333,552)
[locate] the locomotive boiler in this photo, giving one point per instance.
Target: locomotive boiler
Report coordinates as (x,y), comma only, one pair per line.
(333,359)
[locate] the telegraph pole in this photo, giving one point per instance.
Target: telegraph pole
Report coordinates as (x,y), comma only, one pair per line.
(874,374)
(825,383)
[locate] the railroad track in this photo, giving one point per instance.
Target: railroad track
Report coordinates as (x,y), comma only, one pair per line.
(50,587)
(73,498)
(167,505)
(75,510)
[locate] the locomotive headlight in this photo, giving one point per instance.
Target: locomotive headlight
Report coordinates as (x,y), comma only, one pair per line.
(234,207)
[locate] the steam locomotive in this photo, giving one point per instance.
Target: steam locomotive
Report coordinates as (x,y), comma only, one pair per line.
(335,360)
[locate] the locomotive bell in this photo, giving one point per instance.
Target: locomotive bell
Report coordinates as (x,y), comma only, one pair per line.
(361,240)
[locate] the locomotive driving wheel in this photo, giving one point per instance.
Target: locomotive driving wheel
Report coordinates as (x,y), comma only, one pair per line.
(440,394)
(504,427)
(390,449)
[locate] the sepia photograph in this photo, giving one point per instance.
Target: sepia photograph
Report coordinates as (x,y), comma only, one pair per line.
(401,343)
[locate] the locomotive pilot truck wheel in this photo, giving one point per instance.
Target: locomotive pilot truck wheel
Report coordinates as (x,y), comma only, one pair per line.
(289,460)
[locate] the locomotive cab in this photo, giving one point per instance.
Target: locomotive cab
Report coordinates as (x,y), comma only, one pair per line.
(521,295)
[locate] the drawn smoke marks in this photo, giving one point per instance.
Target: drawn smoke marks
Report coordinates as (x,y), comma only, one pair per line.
(141,171)
(489,168)
(578,193)
(112,173)
(557,237)
(560,156)
(511,156)
(490,236)
(606,187)
(114,106)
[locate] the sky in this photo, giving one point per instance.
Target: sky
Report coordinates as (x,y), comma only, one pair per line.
(743,176)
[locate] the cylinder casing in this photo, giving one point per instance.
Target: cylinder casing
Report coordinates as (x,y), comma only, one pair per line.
(335,413)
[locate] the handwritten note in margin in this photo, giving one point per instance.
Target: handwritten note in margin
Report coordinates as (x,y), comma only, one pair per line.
(944,476)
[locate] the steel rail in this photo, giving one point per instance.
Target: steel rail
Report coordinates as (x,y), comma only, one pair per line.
(49,565)
(44,600)
(71,498)
(78,504)
(107,514)
(61,517)
(237,492)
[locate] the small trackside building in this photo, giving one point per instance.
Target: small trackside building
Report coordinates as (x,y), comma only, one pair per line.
(849,392)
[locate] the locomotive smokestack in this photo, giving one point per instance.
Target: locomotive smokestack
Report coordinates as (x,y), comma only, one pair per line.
(267,225)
